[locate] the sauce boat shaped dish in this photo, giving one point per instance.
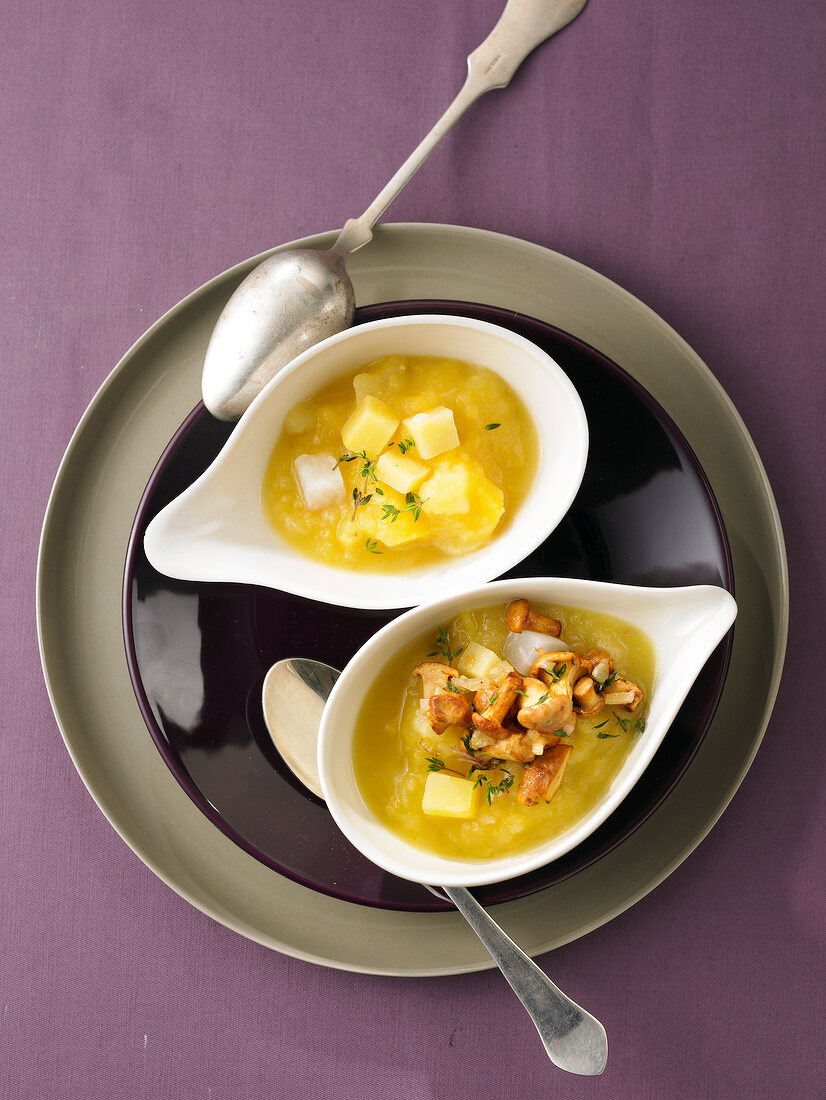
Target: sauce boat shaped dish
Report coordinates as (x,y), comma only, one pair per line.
(684,625)
(217,529)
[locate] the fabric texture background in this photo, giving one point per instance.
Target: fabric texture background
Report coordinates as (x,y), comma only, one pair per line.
(677,149)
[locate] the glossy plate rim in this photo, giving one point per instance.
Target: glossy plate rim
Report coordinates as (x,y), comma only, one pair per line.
(83,545)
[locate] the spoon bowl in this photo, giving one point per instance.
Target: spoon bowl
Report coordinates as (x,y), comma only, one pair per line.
(293,697)
(289,302)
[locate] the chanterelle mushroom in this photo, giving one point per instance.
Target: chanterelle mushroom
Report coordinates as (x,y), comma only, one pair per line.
(623,693)
(434,676)
(587,700)
(515,745)
(448,710)
(602,664)
(559,672)
(442,706)
(541,710)
(542,778)
(519,617)
(492,708)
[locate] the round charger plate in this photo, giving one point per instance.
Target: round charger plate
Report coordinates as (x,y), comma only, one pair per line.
(198,653)
(85,536)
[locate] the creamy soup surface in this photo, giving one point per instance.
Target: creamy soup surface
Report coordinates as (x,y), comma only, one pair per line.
(396,750)
(401,463)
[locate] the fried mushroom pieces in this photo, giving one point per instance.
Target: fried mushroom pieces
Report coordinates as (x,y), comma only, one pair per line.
(442,704)
(542,778)
(522,719)
(519,617)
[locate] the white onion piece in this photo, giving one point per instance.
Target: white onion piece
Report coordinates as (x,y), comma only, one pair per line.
(319,480)
(467,683)
(522,649)
(602,670)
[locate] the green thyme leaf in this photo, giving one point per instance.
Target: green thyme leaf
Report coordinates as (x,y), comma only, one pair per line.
(443,647)
(412,504)
(493,790)
(627,724)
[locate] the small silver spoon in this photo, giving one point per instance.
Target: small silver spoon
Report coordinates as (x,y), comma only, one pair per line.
(293,698)
(297,297)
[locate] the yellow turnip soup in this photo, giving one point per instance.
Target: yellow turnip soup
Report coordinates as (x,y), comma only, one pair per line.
(503,728)
(400,463)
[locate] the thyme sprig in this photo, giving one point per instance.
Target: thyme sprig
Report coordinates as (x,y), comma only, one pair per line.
(369,485)
(601,686)
(477,764)
(443,647)
(627,724)
(412,503)
(493,790)
(367,474)
(602,736)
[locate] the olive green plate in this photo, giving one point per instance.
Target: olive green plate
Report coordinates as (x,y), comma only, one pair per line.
(85,533)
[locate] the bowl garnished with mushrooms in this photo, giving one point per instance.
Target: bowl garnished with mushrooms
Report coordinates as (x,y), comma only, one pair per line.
(483,736)
(513,722)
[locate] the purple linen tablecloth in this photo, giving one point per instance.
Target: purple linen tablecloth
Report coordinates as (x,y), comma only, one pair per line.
(676,148)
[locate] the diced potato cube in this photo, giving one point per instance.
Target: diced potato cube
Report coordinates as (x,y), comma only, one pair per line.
(487,504)
(319,480)
(400,472)
(369,427)
(446,490)
(433,432)
(447,794)
(300,418)
(476,660)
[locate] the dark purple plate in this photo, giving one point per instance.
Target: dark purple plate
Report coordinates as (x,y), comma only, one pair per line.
(198,653)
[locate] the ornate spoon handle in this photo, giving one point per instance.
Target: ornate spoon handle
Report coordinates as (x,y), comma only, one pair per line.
(574,1039)
(523,25)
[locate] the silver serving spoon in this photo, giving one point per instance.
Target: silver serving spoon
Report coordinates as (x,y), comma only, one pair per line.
(297,297)
(293,698)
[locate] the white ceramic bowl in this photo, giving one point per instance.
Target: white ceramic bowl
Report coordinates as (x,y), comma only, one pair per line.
(217,531)
(684,624)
